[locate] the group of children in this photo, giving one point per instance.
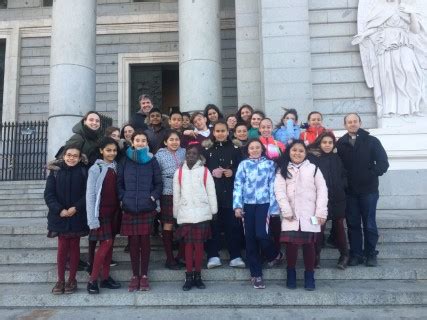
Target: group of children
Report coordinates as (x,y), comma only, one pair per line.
(260,185)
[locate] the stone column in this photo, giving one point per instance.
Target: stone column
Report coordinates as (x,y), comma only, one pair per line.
(72,68)
(200,79)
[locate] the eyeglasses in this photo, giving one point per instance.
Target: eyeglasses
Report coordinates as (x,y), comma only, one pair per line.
(74,156)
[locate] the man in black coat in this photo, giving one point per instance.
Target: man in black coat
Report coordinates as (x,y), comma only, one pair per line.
(138,120)
(365,160)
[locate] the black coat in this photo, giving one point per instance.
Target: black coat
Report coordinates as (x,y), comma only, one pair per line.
(137,183)
(333,171)
(66,188)
(228,156)
(364,162)
(138,121)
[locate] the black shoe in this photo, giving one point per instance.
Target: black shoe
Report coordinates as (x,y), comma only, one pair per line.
(113,263)
(371,261)
(355,261)
(92,287)
(126,248)
(172,265)
(83,265)
(197,280)
(188,284)
(180,262)
(110,284)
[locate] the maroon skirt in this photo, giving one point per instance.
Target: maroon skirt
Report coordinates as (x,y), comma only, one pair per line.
(166,205)
(137,224)
(54,234)
(194,232)
(298,237)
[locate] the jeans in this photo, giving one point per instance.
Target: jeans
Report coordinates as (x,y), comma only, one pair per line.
(361,210)
(233,234)
(257,237)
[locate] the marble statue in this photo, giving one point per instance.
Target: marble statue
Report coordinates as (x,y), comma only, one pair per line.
(392,36)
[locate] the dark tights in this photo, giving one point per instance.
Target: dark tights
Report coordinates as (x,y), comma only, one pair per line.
(68,247)
(139,249)
(308,253)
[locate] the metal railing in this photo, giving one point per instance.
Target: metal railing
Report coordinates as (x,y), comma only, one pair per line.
(23,149)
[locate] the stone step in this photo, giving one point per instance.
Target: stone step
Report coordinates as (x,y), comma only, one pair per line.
(39,201)
(22,191)
(38,184)
(45,256)
(20,206)
(21,196)
(227,294)
(41,241)
(405,269)
(22,214)
(215,313)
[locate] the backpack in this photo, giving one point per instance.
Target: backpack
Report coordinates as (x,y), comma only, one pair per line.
(205,176)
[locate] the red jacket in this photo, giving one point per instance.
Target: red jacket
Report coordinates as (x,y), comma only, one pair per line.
(273,147)
(310,135)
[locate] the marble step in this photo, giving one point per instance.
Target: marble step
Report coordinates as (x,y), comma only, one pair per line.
(227,294)
(46,256)
(404,269)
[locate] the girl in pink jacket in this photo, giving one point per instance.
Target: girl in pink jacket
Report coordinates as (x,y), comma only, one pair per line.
(302,195)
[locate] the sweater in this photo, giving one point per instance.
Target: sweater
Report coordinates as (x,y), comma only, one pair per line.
(254,184)
(253,133)
(302,196)
(95,180)
(169,162)
(193,202)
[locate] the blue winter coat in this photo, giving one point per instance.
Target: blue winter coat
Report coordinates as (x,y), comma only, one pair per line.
(137,183)
(287,132)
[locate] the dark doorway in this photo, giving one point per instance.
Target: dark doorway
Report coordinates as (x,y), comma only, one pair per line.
(2,59)
(160,81)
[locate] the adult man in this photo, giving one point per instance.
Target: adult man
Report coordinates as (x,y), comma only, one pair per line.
(138,120)
(365,160)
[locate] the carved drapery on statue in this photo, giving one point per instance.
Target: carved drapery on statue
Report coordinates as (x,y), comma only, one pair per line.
(392,36)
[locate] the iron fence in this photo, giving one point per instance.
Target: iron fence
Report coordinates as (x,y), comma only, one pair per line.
(23,149)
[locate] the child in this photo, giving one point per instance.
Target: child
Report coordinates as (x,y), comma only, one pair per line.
(201,131)
(244,114)
(65,197)
(314,129)
(186,121)
(231,121)
(156,130)
(303,197)
(256,118)
(139,183)
(253,198)
(241,133)
(175,121)
(330,164)
(273,148)
(288,130)
(222,159)
(194,204)
(103,213)
(126,134)
(212,114)
(170,158)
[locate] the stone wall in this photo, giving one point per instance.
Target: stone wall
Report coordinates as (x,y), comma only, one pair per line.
(338,81)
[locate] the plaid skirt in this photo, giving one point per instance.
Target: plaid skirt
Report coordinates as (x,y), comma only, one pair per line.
(109,225)
(54,234)
(194,232)
(138,224)
(166,206)
(298,237)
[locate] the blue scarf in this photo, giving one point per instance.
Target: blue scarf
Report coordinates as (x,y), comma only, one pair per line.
(140,155)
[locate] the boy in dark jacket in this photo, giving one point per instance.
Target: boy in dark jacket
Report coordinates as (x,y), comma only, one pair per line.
(365,160)
(65,196)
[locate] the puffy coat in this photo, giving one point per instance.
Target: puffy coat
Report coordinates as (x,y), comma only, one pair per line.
(137,183)
(66,188)
(302,196)
(336,180)
(193,202)
(364,162)
(87,140)
(228,156)
(169,162)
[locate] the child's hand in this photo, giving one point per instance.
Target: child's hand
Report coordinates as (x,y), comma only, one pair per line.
(228,173)
(238,213)
(321,221)
(190,133)
(72,211)
(63,213)
(217,173)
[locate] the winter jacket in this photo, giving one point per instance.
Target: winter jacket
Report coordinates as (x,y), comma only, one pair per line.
(286,133)
(226,155)
(364,162)
(95,181)
(311,133)
(138,121)
(66,188)
(138,180)
(302,196)
(253,133)
(86,139)
(185,140)
(169,162)
(193,202)
(336,180)
(156,137)
(254,183)
(273,148)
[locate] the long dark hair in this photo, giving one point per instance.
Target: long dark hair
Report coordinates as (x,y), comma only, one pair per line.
(246,148)
(239,116)
(212,107)
(285,158)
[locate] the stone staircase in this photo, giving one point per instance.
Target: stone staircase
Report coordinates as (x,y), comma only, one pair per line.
(27,270)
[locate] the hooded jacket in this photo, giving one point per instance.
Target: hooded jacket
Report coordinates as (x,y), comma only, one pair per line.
(364,162)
